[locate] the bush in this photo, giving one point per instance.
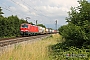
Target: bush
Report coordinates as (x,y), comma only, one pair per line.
(74,35)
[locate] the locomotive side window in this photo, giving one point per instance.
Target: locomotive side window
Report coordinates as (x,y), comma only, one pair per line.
(25,26)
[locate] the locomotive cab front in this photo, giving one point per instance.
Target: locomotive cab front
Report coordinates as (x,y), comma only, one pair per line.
(24,29)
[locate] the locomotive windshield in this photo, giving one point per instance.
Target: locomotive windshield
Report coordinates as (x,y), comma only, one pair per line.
(25,26)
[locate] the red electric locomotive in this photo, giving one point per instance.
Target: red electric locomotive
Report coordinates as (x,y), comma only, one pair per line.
(28,29)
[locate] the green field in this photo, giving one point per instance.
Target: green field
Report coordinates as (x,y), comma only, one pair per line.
(37,50)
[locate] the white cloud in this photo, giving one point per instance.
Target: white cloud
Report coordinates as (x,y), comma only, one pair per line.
(45,11)
(24,8)
(64,2)
(13,8)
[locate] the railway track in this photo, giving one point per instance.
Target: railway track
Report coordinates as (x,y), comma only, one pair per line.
(20,39)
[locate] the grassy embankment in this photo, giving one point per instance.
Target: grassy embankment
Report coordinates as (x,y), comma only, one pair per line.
(38,50)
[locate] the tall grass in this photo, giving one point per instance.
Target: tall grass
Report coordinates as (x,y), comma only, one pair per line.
(37,50)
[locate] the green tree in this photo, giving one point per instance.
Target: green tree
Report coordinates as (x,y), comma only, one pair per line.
(1,12)
(78,28)
(31,23)
(41,25)
(10,26)
(80,15)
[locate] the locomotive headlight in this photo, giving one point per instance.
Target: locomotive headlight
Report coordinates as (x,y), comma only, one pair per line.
(22,30)
(26,30)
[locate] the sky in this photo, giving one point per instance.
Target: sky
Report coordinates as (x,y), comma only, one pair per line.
(44,11)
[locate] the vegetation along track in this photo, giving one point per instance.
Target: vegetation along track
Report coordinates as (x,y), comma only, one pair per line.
(17,40)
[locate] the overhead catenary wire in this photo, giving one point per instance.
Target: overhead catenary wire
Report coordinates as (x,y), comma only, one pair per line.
(19,4)
(33,8)
(30,7)
(7,9)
